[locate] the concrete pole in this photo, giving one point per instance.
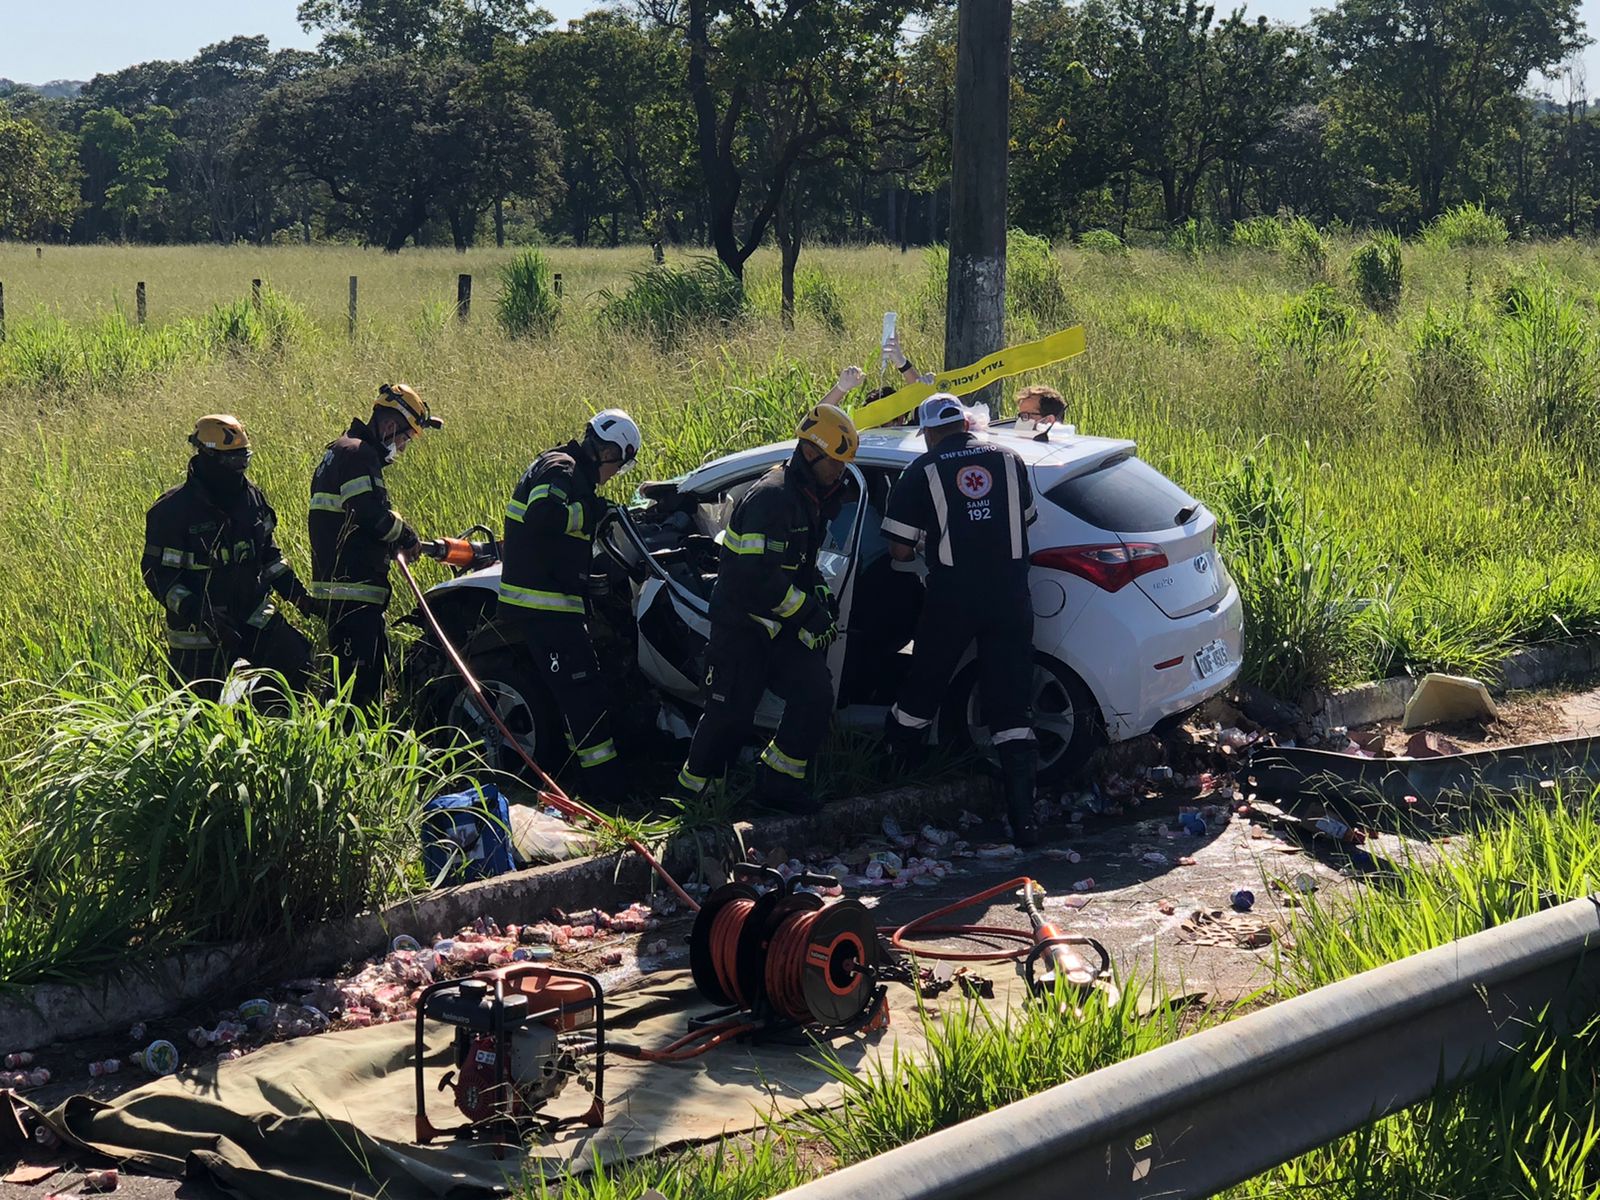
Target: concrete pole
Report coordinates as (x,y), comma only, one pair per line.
(975,310)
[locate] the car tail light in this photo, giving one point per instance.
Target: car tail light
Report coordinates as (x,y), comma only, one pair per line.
(1110,568)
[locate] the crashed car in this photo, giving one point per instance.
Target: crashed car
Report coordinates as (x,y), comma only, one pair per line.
(1136,621)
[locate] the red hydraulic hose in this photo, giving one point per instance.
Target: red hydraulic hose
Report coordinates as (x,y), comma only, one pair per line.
(553,795)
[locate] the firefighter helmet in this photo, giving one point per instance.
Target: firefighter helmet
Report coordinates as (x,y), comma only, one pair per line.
(828,428)
(221,432)
(403,399)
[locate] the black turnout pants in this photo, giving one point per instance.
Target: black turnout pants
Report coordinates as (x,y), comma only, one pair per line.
(358,637)
(952,617)
(741,664)
(279,647)
(563,656)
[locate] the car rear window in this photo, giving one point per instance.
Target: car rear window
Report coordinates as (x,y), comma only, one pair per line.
(1122,495)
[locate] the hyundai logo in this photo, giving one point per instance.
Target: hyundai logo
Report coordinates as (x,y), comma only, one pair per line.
(1202,564)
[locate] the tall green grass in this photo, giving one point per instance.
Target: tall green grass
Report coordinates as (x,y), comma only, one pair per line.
(138,820)
(667,301)
(526,303)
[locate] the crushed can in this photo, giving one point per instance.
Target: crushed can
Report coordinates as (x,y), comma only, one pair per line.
(1242,899)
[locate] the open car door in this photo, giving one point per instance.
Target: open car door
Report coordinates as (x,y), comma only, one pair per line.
(672,603)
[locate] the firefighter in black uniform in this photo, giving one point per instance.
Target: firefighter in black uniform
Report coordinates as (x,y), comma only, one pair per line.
(773,619)
(212,560)
(544,581)
(971,503)
(355,533)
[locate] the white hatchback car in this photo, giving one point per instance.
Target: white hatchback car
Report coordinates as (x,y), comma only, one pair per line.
(1136,621)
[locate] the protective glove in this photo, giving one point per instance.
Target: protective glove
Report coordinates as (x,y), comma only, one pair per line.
(818,629)
(407,542)
(823,595)
(850,379)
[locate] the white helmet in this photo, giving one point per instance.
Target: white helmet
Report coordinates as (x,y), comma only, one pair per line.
(615,427)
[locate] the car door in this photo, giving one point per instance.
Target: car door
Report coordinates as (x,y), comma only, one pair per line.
(673,613)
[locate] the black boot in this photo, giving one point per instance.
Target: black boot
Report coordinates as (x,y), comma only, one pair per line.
(907,746)
(1019,768)
(782,792)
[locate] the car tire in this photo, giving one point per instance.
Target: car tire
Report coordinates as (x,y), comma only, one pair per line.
(1066,719)
(524,703)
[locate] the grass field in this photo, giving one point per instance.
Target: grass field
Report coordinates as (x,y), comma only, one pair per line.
(1405,492)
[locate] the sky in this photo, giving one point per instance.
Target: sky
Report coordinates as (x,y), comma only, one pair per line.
(41,40)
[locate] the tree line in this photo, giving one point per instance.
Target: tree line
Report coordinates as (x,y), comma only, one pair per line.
(726,123)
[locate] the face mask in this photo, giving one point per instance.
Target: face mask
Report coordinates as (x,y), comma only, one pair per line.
(390,452)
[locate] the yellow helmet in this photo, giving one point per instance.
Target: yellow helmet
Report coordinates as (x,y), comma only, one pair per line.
(222,432)
(828,428)
(403,399)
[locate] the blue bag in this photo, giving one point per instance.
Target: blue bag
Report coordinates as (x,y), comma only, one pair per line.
(466,836)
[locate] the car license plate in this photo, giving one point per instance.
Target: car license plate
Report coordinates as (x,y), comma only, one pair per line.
(1211,659)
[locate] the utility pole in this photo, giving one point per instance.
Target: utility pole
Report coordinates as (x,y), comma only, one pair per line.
(975,308)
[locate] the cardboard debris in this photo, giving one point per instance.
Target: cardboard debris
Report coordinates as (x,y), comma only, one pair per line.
(1215,927)
(1445,698)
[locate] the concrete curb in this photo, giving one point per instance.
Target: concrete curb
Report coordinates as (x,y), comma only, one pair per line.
(1385,699)
(38,1015)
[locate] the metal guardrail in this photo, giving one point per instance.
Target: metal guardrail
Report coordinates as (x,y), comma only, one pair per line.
(1228,1103)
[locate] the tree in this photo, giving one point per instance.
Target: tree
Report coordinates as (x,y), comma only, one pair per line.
(396,142)
(773,83)
(129,157)
(38,179)
(358,30)
(1421,82)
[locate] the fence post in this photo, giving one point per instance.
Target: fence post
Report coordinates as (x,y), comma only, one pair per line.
(352,327)
(2,312)
(255,292)
(138,300)
(463,297)
(558,283)
(38,251)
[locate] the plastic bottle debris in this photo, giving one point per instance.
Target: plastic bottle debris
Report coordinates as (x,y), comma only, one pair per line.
(229,1055)
(1242,899)
(1084,885)
(253,1012)
(1156,859)
(22,1058)
(893,864)
(1338,830)
(1192,823)
(101,1181)
(37,1077)
(160,1057)
(106,1066)
(404,941)
(937,837)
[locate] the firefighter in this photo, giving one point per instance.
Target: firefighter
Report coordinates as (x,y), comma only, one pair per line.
(773,619)
(212,560)
(971,504)
(354,534)
(550,527)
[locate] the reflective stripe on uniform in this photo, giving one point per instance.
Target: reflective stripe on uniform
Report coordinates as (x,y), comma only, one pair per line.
(361,593)
(900,529)
(904,718)
(791,602)
(516,510)
(575,521)
(1014,508)
(263,614)
(359,486)
(597,755)
(546,491)
(190,639)
(745,543)
(395,530)
(941,515)
(772,627)
(784,764)
(176,595)
(326,502)
(171,557)
(523,597)
(690,782)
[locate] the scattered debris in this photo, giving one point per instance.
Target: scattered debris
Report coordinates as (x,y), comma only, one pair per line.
(1218,928)
(1084,885)
(1166,907)
(1242,899)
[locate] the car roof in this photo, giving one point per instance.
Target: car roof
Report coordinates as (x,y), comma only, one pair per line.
(896,447)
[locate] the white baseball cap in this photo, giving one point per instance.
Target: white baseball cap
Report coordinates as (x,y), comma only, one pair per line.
(939,409)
